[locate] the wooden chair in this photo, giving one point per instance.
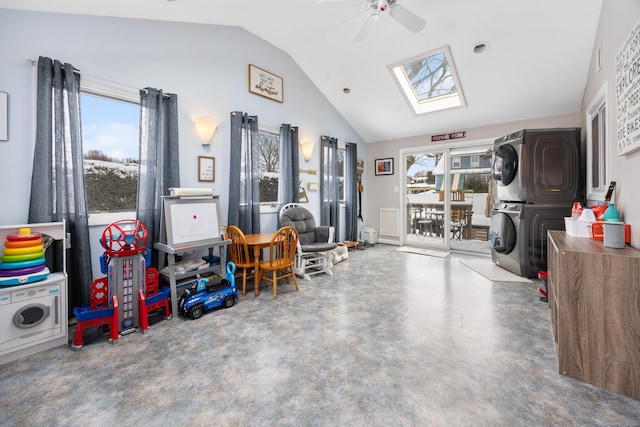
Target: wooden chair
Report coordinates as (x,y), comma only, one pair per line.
(240,254)
(282,252)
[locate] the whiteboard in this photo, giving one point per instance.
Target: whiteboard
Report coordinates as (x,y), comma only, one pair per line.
(191,221)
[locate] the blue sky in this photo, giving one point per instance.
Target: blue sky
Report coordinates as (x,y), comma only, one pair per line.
(111,127)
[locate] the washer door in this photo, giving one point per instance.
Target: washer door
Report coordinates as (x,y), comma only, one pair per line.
(502,233)
(30,316)
(505,165)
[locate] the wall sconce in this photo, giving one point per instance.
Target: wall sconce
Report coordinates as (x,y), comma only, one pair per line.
(206,127)
(307,149)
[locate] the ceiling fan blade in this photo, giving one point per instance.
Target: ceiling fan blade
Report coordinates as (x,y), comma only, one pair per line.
(366,27)
(343,3)
(407,18)
(352,17)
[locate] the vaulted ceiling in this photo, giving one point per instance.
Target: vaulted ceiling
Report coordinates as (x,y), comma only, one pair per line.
(536,64)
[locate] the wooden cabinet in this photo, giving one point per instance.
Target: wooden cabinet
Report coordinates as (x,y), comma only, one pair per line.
(594,304)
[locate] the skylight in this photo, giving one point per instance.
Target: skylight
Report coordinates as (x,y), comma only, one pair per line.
(429,82)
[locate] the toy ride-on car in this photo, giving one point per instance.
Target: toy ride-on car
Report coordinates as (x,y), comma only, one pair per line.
(202,297)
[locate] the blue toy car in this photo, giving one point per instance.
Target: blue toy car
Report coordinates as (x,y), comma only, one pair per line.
(202,297)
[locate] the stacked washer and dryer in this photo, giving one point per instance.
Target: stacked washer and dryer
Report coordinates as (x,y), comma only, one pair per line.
(536,174)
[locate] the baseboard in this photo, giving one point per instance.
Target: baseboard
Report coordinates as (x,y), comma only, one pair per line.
(389,242)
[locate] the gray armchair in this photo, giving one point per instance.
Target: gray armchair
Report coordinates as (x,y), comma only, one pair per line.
(315,243)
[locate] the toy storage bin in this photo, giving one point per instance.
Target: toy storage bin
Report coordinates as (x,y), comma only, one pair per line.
(370,235)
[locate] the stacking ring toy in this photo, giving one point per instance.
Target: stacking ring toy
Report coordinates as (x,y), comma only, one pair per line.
(22,271)
(25,257)
(22,251)
(22,264)
(23,234)
(23,243)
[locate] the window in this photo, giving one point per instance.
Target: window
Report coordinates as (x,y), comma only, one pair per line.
(597,146)
(341,169)
(110,143)
(429,82)
(599,154)
(269,165)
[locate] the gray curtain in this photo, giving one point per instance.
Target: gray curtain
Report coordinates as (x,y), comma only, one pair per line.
(57,182)
(159,162)
(244,195)
(351,192)
(329,184)
(289,179)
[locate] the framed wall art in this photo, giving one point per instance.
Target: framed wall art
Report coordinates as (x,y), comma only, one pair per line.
(206,169)
(384,166)
(627,99)
(264,83)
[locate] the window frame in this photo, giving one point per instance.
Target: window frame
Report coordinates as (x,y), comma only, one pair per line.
(419,106)
(455,162)
(598,110)
(92,87)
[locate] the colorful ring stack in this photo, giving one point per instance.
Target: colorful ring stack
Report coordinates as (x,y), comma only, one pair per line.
(23,254)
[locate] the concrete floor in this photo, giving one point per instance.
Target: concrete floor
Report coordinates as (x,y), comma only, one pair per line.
(391,339)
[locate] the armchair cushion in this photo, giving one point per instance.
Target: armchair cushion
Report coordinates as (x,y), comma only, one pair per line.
(322,233)
(312,238)
(318,247)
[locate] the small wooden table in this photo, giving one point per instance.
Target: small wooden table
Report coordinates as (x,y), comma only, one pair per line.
(258,242)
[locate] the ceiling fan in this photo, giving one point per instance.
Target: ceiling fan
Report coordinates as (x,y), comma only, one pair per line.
(410,20)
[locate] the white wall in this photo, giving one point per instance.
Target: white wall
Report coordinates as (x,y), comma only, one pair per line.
(205,65)
(617,20)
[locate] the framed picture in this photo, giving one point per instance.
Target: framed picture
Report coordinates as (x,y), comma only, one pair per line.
(384,166)
(206,169)
(4,116)
(264,83)
(303,196)
(627,80)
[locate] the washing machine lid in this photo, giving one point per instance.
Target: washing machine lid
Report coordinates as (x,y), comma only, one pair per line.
(505,165)
(502,233)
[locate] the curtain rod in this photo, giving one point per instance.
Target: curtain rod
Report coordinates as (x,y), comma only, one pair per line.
(90,76)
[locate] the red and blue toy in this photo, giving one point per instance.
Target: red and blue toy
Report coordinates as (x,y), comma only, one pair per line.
(128,279)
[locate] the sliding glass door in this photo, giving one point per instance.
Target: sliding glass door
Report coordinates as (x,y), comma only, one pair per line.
(424,211)
(470,198)
(446,197)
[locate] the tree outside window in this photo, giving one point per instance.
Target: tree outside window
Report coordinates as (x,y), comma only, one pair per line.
(269,167)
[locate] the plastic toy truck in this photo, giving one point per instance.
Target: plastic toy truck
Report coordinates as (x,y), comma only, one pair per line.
(202,297)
